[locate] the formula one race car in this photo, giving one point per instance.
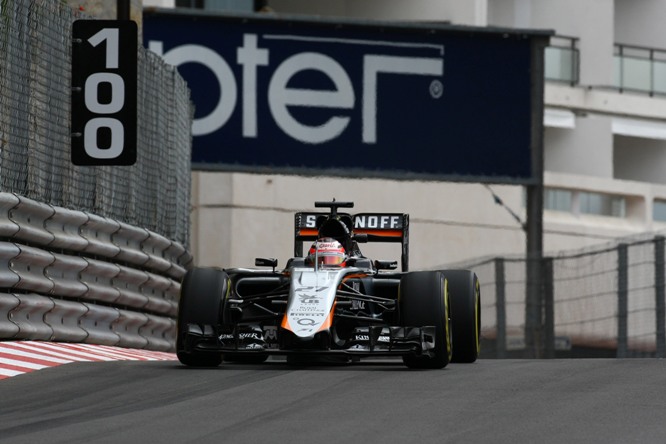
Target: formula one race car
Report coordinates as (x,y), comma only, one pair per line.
(334,303)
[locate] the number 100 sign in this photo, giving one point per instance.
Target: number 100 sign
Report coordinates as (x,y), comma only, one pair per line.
(104,57)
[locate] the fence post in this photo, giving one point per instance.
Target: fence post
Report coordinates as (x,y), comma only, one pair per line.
(622,302)
(549,308)
(659,290)
(500,296)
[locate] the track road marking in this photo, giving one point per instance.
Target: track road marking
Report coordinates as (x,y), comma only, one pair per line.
(17,358)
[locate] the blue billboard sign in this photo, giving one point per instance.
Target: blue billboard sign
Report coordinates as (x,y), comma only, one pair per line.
(355,98)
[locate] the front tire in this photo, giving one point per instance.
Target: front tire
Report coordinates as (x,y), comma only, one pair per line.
(201,302)
(465,295)
(424,301)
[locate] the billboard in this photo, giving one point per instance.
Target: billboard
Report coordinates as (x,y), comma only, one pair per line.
(315,96)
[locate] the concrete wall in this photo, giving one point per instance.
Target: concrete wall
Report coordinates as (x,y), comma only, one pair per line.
(648,18)
(470,12)
(585,150)
(592,21)
(640,159)
(237,217)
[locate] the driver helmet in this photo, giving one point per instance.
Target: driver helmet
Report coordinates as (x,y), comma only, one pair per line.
(328,251)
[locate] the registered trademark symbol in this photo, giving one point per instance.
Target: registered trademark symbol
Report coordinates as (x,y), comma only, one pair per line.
(436,89)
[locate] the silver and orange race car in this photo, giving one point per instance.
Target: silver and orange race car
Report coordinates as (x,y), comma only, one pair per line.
(331,304)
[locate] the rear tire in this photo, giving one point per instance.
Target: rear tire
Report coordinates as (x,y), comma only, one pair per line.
(201,302)
(465,296)
(424,301)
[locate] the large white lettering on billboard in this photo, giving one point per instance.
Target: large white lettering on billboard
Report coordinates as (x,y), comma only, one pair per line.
(341,99)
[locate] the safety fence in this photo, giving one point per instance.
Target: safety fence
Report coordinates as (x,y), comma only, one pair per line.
(35,133)
(603,301)
(73,276)
(87,254)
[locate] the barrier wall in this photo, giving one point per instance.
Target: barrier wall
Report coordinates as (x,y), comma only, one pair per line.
(87,253)
(73,276)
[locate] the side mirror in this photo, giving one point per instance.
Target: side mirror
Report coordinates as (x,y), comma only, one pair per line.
(386,265)
(266,262)
(361,238)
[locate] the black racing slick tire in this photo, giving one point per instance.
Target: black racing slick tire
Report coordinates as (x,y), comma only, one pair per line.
(201,301)
(424,301)
(465,297)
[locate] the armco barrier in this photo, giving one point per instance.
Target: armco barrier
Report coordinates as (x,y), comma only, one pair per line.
(160,332)
(8,277)
(128,281)
(8,227)
(97,277)
(129,240)
(64,320)
(8,302)
(30,265)
(65,225)
(127,328)
(31,216)
(65,272)
(98,231)
(29,317)
(98,322)
(67,275)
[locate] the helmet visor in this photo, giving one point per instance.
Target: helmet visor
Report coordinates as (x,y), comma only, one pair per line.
(330,258)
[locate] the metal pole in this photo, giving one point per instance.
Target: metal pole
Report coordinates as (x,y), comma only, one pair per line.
(534,223)
(660,295)
(500,306)
(123,10)
(549,308)
(622,301)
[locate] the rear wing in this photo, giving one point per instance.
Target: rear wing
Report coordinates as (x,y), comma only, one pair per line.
(378,227)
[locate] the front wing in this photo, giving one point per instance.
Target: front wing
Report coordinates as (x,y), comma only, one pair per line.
(364,341)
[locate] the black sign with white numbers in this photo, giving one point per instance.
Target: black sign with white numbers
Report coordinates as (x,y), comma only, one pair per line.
(104,58)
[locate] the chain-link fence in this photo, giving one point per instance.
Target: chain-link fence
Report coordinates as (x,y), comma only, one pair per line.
(604,301)
(35,155)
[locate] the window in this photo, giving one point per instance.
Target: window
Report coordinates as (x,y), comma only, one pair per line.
(557,199)
(602,204)
(659,210)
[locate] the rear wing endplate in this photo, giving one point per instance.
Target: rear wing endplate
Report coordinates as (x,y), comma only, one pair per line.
(378,227)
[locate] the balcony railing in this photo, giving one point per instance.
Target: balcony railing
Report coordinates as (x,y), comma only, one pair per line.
(562,60)
(640,69)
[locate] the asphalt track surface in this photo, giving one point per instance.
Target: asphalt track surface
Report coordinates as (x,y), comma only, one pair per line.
(491,401)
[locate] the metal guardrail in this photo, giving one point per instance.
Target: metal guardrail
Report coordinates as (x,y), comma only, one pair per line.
(68,275)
